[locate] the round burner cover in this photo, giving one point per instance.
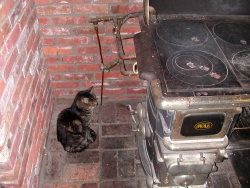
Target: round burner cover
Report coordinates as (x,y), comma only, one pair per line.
(241,62)
(182,32)
(197,68)
(233,33)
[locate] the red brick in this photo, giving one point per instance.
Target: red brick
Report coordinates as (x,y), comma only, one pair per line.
(40,2)
(26,86)
(95,84)
(125,97)
(110,91)
(64,84)
(27,63)
(71,92)
(90,8)
(4,31)
(73,40)
(58,93)
(89,67)
(23,19)
(11,175)
(13,36)
(24,139)
(125,9)
(78,76)
(92,49)
(15,146)
(32,42)
(61,68)
(23,168)
(112,1)
(130,30)
(70,20)
(81,173)
(133,21)
(38,126)
(51,59)
(6,6)
(53,10)
(25,112)
(55,77)
(127,49)
(20,62)
(87,30)
(4,130)
(105,40)
(51,185)
(78,59)
(130,41)
(16,118)
(44,21)
(110,75)
(72,1)
(10,64)
(16,12)
(2,86)
(134,77)
(71,186)
(48,41)
(18,88)
(3,56)
(126,83)
(7,93)
(136,90)
(89,185)
(57,50)
(51,31)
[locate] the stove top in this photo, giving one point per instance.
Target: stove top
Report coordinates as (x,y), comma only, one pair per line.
(201,57)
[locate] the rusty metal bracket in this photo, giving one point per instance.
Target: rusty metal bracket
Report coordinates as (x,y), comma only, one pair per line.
(118,22)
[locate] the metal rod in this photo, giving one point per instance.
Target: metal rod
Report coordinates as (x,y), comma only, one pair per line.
(100,50)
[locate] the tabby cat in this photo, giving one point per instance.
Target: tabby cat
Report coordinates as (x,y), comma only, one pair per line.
(73,123)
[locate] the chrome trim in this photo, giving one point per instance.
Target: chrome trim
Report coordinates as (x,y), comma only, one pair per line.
(182,145)
(185,103)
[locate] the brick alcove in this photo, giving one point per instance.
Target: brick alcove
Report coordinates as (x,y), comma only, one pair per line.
(49,50)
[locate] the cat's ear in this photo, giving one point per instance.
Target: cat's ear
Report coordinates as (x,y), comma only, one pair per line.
(90,90)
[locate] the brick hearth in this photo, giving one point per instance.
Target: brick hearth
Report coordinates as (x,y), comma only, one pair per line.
(111,161)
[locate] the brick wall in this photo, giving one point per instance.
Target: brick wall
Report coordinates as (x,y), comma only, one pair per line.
(71,49)
(25,96)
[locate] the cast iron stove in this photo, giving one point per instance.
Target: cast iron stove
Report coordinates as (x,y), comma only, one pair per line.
(196,57)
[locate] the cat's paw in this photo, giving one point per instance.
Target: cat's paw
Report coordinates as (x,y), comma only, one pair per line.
(91,136)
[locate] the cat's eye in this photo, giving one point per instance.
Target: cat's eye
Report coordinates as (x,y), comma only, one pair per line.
(85,100)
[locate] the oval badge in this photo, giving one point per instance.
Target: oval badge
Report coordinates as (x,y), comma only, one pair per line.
(204,125)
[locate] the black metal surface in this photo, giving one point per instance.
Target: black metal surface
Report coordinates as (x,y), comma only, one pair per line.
(241,61)
(146,54)
(208,7)
(196,64)
(197,68)
(233,33)
(182,33)
(241,160)
(202,124)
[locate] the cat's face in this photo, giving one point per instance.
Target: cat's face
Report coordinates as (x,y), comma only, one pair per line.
(86,99)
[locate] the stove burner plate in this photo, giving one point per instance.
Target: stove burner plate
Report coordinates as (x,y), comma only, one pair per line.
(182,33)
(241,62)
(197,68)
(233,33)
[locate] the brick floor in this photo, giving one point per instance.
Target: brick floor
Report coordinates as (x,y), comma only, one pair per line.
(112,160)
